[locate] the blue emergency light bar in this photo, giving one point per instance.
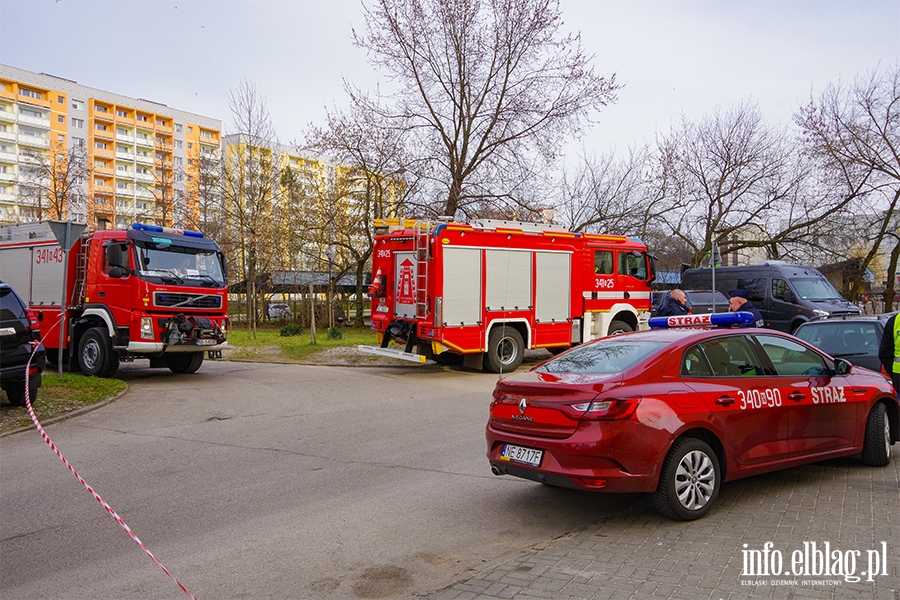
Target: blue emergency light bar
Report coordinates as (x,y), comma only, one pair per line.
(158,229)
(716,319)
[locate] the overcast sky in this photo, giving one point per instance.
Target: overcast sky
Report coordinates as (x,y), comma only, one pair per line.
(675,57)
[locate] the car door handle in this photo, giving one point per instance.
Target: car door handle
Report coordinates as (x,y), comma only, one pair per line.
(796,396)
(725,400)
(101,294)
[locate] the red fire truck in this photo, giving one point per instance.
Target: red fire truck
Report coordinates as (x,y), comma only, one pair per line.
(484,291)
(142,292)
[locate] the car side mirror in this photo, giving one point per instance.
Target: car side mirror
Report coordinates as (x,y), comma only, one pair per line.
(842,367)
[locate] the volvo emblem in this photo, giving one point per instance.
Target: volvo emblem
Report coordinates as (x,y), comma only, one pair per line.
(522,405)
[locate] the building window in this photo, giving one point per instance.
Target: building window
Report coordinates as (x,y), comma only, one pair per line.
(77,123)
(30,93)
(60,119)
(190,146)
(121,113)
(61,99)
(178,127)
(101,108)
(190,129)
(179,144)
(100,145)
(142,118)
(60,138)
(78,142)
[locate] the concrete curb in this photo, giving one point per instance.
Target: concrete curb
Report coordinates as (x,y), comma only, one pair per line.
(69,415)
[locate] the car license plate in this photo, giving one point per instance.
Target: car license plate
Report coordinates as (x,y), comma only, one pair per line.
(206,342)
(526,456)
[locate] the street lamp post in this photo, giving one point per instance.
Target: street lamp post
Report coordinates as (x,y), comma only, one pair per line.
(329,252)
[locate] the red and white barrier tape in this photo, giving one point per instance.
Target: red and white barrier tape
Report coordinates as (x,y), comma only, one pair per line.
(96,496)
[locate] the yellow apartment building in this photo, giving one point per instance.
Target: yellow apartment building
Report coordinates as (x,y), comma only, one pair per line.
(129,159)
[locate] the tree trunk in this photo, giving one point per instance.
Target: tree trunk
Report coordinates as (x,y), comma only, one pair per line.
(890,288)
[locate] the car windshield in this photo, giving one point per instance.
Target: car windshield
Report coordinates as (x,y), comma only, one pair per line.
(815,289)
(610,355)
(179,264)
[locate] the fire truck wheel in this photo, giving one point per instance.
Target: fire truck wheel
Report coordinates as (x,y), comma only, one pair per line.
(186,362)
(505,350)
(617,327)
(95,354)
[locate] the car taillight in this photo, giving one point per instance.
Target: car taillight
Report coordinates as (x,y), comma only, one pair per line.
(608,409)
(33,323)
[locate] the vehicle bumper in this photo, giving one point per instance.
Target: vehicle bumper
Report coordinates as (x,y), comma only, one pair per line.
(159,347)
(17,372)
(607,457)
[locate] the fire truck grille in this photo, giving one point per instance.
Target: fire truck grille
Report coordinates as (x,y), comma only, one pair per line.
(176,300)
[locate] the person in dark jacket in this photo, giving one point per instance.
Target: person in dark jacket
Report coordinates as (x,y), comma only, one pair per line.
(674,305)
(738,301)
(889,352)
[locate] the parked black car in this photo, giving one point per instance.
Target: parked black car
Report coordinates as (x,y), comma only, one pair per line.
(19,328)
(698,301)
(855,339)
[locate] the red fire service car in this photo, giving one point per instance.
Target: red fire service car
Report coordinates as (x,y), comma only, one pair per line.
(675,412)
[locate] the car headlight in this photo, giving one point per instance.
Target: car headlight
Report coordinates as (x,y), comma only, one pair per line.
(821,313)
(146,328)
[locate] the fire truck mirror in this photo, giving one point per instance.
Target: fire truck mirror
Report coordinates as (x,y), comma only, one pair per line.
(117,272)
(116,256)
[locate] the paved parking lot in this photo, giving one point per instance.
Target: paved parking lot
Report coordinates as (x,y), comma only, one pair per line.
(639,554)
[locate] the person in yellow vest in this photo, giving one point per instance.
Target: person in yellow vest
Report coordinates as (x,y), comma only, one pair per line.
(889,352)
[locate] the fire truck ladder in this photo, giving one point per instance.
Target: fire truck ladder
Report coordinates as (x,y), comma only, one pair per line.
(424,229)
(81,260)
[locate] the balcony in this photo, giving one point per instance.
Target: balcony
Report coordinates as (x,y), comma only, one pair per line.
(145,177)
(8,116)
(28,158)
(144,159)
(7,177)
(129,156)
(33,141)
(7,157)
(43,123)
(7,197)
(147,142)
(8,135)
(124,137)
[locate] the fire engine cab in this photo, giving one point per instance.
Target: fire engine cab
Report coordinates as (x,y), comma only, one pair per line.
(482,292)
(144,292)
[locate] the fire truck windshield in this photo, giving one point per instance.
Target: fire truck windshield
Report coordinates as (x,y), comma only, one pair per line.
(181,265)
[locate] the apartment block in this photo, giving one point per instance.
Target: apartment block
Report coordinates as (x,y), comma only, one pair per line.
(71,151)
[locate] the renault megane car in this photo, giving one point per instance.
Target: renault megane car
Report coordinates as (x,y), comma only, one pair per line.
(675,412)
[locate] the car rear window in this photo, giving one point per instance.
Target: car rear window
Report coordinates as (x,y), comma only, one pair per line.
(844,338)
(610,355)
(10,307)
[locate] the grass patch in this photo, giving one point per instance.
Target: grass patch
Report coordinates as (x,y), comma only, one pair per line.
(57,397)
(294,347)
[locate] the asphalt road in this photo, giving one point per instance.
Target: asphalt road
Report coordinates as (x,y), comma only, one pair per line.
(273,481)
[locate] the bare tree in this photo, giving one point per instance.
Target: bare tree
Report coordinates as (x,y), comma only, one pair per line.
(372,180)
(250,185)
(489,88)
(604,192)
(57,178)
(726,177)
(854,131)
(163,188)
